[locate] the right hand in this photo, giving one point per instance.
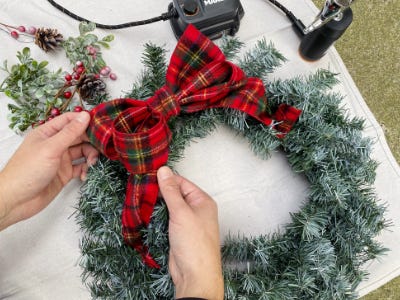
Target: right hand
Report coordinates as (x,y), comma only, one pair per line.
(195,257)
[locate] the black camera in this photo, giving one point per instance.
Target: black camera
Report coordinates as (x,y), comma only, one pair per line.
(212,17)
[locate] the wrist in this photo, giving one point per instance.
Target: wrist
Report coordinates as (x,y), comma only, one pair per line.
(202,288)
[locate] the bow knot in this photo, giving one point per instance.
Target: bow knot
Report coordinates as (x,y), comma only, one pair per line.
(136,132)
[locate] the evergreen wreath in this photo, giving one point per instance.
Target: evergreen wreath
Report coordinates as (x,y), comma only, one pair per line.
(322,251)
(320,254)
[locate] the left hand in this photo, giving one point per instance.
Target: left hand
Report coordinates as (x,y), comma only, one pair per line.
(43,165)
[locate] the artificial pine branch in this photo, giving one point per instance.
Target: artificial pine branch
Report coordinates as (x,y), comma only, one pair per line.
(230,46)
(261,60)
(153,75)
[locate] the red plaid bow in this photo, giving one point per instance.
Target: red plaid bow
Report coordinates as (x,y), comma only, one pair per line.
(136,132)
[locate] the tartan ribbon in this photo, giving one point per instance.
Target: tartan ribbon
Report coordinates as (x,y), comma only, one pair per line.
(136,133)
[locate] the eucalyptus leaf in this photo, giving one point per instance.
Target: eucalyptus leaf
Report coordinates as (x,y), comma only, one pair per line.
(48,89)
(104,44)
(90,39)
(26,51)
(39,93)
(43,64)
(58,102)
(5,66)
(86,27)
(14,68)
(108,38)
(8,94)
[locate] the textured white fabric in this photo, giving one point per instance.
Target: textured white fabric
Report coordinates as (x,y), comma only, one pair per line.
(39,257)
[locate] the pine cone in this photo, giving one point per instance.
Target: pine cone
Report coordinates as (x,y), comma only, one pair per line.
(89,87)
(48,39)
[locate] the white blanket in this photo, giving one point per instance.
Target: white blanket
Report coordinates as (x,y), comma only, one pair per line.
(38,257)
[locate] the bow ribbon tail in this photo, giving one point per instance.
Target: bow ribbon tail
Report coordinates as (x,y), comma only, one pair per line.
(285,117)
(141,196)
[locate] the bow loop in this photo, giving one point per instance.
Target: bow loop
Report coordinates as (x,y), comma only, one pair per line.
(210,85)
(193,52)
(141,139)
(101,129)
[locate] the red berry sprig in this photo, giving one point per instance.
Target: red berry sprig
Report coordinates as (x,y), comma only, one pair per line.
(17,31)
(66,92)
(69,89)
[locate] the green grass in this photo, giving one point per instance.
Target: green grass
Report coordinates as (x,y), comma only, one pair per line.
(370,48)
(389,291)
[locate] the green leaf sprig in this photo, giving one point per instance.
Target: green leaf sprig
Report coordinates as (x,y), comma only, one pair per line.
(40,94)
(87,48)
(32,86)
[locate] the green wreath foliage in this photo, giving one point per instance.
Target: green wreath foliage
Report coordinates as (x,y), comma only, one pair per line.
(321,253)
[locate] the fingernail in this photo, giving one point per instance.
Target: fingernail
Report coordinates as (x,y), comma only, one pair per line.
(164,173)
(92,161)
(83,117)
(83,176)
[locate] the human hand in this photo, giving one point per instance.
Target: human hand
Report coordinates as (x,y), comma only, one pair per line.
(194,258)
(43,165)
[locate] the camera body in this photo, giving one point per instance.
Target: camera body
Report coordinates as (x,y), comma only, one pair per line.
(212,17)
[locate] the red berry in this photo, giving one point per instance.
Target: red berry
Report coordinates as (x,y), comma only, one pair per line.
(14,34)
(113,76)
(92,50)
(97,76)
(32,30)
(78,108)
(105,71)
(38,123)
(79,63)
(77,76)
(55,112)
(68,77)
(67,94)
(80,70)
(21,28)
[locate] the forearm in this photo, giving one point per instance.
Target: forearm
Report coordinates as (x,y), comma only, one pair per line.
(5,219)
(4,211)
(8,207)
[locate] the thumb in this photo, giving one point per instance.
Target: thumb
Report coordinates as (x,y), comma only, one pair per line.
(71,132)
(170,190)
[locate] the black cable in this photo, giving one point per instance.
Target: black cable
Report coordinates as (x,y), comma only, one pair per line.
(165,16)
(298,24)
